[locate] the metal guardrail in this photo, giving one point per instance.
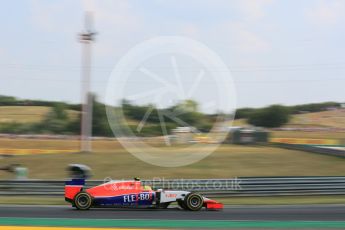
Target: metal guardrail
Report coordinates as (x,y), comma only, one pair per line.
(261,186)
(313,149)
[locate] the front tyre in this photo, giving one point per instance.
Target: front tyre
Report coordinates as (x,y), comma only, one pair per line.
(193,202)
(83,201)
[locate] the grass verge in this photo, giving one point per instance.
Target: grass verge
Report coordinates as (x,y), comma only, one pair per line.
(110,159)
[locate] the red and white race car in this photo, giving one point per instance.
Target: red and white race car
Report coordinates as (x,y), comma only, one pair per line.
(132,194)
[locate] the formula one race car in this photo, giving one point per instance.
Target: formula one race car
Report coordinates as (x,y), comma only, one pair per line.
(132,194)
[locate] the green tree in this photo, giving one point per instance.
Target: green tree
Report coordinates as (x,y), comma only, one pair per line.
(270,117)
(100,124)
(6,100)
(244,113)
(56,120)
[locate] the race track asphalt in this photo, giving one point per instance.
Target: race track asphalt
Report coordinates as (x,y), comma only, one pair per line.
(253,213)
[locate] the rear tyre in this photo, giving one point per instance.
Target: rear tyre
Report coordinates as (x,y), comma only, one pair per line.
(193,202)
(83,201)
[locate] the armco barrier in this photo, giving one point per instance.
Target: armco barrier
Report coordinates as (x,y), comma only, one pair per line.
(261,186)
(313,149)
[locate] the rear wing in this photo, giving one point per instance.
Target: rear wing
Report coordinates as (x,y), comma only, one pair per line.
(76,182)
(72,187)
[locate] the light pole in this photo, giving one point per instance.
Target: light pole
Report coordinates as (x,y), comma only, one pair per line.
(86,38)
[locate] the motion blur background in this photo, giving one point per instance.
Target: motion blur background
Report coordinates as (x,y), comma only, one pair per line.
(286,60)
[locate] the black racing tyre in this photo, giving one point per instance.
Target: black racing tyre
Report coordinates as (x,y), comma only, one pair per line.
(193,201)
(82,201)
(181,204)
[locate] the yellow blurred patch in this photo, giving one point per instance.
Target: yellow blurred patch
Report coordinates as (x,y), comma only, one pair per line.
(35,151)
(305,141)
(58,228)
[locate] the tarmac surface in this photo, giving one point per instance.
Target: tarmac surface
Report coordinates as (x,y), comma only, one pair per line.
(248,212)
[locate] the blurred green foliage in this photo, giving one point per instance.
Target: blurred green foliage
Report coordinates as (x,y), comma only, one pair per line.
(185,113)
(295,109)
(270,117)
(56,121)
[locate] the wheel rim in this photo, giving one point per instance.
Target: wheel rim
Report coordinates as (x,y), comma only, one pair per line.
(83,201)
(195,202)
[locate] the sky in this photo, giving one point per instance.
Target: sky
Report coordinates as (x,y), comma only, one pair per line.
(277,51)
